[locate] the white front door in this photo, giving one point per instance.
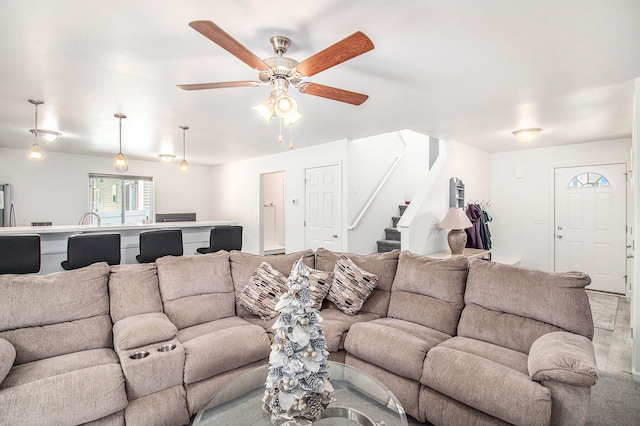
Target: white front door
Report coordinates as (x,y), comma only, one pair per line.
(323,190)
(590,223)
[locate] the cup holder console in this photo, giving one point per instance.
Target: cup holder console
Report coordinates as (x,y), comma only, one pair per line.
(139,355)
(167,347)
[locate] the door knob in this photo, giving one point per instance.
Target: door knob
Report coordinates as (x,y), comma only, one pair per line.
(559,228)
(334,236)
(559,236)
(629,256)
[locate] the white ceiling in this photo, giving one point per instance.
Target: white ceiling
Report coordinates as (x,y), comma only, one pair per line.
(468,70)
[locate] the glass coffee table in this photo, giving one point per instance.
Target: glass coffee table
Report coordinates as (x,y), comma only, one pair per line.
(359,400)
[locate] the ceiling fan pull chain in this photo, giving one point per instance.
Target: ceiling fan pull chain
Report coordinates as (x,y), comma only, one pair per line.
(291,137)
(280,131)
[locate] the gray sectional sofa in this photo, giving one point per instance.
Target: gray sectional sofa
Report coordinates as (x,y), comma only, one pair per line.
(457,342)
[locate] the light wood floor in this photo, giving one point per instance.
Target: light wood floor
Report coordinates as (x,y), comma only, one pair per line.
(612,337)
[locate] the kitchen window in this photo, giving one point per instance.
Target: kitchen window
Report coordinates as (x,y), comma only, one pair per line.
(120,199)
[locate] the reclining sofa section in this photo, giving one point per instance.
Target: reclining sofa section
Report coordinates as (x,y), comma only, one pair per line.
(458,342)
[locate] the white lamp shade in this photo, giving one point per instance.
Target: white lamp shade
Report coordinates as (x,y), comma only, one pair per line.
(455,219)
(184,166)
(265,110)
(35,153)
(285,106)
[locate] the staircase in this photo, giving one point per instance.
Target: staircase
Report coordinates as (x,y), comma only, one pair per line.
(392,235)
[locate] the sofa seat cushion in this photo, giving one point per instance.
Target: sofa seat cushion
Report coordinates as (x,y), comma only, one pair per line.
(209,327)
(503,356)
(266,324)
(335,333)
(67,389)
(224,350)
(487,386)
(379,341)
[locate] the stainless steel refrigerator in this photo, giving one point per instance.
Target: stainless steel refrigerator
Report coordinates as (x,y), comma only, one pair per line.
(7,209)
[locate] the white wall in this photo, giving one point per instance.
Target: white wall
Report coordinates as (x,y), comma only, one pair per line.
(369,161)
(56,188)
(473,167)
(236,191)
(522,185)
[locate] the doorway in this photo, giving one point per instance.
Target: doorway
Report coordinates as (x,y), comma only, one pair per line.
(272,224)
(590,228)
(323,195)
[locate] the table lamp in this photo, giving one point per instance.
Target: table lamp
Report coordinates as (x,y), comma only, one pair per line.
(457,221)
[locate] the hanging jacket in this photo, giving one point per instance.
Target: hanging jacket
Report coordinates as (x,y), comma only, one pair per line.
(474,237)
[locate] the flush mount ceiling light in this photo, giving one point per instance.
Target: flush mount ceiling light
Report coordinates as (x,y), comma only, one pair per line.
(47,136)
(166,158)
(120,160)
(35,153)
(527,135)
(184,166)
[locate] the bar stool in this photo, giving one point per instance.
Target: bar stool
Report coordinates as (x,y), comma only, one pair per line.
(155,244)
(85,249)
(223,238)
(20,254)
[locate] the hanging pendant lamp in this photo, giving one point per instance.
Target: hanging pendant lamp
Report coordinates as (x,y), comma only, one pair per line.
(184,166)
(120,161)
(35,153)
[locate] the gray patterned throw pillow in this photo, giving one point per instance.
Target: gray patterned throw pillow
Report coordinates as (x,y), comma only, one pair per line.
(351,286)
(263,291)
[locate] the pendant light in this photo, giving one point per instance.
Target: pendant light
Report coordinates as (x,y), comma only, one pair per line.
(120,161)
(35,153)
(184,166)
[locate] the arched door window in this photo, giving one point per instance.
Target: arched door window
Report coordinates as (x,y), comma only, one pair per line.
(589,180)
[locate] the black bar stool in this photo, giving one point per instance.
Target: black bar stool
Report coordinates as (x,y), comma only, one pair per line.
(223,238)
(85,249)
(20,254)
(155,244)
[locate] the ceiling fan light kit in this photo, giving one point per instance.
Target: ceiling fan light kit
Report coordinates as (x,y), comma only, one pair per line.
(527,135)
(281,72)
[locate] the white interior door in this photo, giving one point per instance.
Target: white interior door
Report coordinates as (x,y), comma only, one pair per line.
(323,190)
(590,223)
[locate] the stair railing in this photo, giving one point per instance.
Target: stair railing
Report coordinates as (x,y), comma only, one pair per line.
(375,194)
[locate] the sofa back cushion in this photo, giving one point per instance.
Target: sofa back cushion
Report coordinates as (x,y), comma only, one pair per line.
(511,306)
(196,289)
(56,314)
(429,292)
(133,290)
(381,264)
(243,265)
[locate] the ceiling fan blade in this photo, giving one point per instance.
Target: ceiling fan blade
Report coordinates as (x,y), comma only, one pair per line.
(348,48)
(222,85)
(231,45)
(333,93)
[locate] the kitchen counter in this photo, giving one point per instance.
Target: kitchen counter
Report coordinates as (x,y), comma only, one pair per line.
(54,238)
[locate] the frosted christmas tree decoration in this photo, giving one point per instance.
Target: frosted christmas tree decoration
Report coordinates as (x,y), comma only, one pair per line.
(298,386)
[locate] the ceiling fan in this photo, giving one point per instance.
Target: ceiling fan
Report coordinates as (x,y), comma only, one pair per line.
(281,72)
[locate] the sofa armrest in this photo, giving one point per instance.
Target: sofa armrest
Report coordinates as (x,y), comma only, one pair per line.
(143,329)
(7,357)
(563,357)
